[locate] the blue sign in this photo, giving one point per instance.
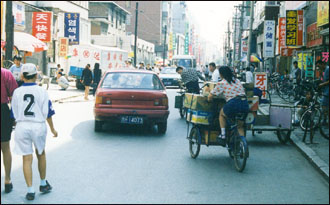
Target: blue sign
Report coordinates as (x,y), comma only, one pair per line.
(71,27)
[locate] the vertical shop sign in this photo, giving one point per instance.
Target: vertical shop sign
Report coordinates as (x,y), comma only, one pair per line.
(71,27)
(291,28)
(269,32)
(42,26)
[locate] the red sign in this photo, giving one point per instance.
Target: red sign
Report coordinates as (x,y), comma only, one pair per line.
(261,83)
(313,35)
(300,30)
(325,56)
(281,33)
(64,48)
(42,26)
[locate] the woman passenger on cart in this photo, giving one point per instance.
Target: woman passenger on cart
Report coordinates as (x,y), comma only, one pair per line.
(236,101)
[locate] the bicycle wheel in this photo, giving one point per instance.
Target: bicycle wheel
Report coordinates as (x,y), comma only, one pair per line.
(324,126)
(194,146)
(240,153)
(7,64)
(314,114)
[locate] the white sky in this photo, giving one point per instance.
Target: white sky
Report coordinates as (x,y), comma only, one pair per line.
(211,18)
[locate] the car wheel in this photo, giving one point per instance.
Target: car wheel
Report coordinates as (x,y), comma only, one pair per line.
(98,126)
(162,127)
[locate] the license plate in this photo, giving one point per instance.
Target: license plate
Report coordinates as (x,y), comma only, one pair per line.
(131,120)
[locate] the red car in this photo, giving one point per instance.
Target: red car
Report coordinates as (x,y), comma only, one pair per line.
(131,97)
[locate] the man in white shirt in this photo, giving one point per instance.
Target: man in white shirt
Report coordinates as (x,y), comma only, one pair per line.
(215,72)
(62,81)
(248,75)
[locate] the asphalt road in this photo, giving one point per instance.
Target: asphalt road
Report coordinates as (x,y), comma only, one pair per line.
(135,165)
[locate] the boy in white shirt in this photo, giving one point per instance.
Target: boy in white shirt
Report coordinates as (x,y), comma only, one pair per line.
(62,81)
(30,109)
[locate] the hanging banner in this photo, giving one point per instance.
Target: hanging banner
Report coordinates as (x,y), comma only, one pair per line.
(42,26)
(309,67)
(170,42)
(313,36)
(64,47)
(174,42)
(300,26)
(291,28)
(322,13)
(244,48)
(269,35)
(71,27)
(281,33)
(19,15)
(2,23)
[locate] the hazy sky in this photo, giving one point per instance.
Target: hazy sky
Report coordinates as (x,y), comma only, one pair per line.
(212,18)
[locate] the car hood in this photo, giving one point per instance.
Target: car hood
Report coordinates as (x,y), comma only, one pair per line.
(176,76)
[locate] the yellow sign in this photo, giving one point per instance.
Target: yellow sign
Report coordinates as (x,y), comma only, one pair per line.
(64,47)
(322,13)
(302,60)
(170,42)
(2,18)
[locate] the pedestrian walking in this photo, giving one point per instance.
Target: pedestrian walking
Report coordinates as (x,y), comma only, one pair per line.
(297,73)
(8,85)
(87,79)
(15,69)
(97,77)
(31,108)
(206,72)
(248,75)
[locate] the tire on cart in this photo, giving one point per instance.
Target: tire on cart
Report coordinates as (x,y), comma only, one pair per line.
(194,146)
(283,136)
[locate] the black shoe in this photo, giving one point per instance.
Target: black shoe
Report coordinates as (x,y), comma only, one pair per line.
(45,189)
(30,196)
(8,188)
(221,141)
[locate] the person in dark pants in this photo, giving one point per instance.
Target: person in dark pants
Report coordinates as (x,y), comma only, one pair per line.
(87,79)
(190,79)
(97,77)
(8,85)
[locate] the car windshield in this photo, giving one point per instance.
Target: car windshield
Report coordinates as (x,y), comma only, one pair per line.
(187,63)
(145,81)
(168,71)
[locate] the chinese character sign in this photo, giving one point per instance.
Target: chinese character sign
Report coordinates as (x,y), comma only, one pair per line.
(244,47)
(71,27)
(63,51)
(42,26)
(300,27)
(261,83)
(291,27)
(269,35)
(309,67)
(325,56)
(313,36)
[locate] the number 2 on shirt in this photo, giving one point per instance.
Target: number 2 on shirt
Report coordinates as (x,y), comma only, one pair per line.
(27,111)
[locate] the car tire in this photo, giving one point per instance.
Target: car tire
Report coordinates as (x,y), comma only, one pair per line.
(98,126)
(162,127)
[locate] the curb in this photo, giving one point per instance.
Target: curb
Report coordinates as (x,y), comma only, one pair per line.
(54,101)
(311,156)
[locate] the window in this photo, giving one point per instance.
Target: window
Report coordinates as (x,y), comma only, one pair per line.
(144,81)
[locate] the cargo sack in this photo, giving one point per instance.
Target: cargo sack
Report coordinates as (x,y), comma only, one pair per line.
(178,101)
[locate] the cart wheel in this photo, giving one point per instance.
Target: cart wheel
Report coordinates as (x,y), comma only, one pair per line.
(240,153)
(283,136)
(194,146)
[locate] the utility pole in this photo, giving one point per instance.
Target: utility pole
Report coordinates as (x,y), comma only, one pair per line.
(9,30)
(234,37)
(164,54)
(228,45)
(136,25)
(250,34)
(241,9)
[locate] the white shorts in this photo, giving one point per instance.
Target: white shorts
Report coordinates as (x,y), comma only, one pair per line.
(27,133)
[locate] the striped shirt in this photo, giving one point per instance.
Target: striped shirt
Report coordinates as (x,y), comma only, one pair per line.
(190,75)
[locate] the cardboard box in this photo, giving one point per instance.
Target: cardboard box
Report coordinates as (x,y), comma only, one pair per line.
(212,138)
(253,103)
(208,89)
(199,117)
(197,102)
(248,86)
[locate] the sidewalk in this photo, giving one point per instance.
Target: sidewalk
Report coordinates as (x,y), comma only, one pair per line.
(318,153)
(55,94)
